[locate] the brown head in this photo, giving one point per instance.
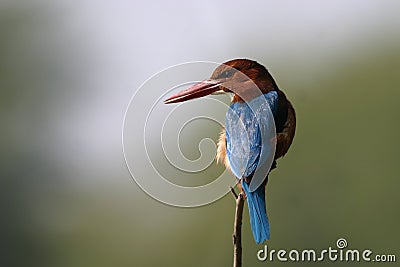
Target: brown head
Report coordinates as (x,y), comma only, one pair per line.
(245,78)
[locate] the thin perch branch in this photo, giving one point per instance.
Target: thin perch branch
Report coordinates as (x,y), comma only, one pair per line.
(237,231)
(233,192)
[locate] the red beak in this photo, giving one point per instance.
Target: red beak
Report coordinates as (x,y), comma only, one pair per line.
(198,90)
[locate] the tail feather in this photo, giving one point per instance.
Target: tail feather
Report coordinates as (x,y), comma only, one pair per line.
(258,213)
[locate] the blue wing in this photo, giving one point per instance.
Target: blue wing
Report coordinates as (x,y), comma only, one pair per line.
(250,148)
(250,132)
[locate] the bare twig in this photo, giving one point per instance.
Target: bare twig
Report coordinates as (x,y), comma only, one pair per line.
(233,192)
(237,231)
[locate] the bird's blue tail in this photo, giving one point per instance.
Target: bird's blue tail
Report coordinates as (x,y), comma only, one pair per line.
(258,213)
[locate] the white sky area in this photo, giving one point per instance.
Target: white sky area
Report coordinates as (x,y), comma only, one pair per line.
(150,36)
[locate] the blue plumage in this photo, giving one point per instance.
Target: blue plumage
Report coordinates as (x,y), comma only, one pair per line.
(248,146)
(257,212)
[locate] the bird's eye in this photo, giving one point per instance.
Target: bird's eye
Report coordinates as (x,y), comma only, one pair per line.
(227,73)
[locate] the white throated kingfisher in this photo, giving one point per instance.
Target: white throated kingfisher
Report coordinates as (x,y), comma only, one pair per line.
(241,142)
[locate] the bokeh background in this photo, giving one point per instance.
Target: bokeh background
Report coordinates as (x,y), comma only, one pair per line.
(69,68)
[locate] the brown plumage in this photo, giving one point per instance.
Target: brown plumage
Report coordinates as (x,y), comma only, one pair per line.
(285,119)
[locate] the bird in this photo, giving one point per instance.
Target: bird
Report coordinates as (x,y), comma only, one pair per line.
(243,141)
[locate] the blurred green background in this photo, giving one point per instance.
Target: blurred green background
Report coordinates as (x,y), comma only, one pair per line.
(68,70)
